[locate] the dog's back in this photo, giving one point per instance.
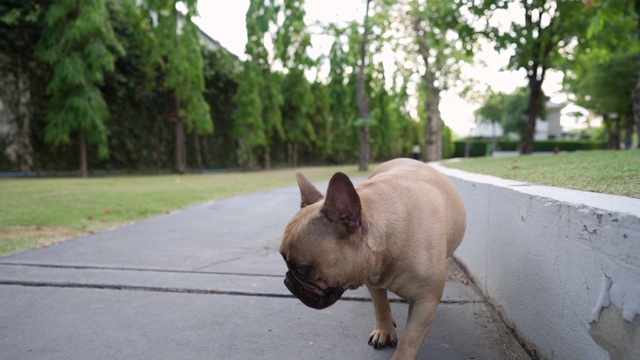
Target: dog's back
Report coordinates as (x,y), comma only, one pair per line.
(423,191)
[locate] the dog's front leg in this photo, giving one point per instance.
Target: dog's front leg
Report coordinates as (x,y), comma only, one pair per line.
(384,333)
(421,315)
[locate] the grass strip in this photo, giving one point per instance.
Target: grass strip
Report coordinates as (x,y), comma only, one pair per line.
(42,211)
(608,172)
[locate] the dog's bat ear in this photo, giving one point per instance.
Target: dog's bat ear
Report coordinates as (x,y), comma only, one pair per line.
(309,193)
(342,205)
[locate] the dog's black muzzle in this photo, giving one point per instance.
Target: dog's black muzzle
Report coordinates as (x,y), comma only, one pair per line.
(310,298)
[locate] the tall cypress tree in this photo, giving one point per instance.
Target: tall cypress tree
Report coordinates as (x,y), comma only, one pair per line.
(248,128)
(79,44)
(292,41)
(259,97)
(178,51)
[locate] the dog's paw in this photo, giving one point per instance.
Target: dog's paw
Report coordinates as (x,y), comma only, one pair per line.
(384,335)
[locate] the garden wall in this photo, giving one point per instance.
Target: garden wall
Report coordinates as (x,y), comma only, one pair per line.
(561,266)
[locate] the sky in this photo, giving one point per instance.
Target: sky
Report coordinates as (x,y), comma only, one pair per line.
(224,21)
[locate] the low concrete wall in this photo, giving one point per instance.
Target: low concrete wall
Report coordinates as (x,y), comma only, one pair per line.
(561,266)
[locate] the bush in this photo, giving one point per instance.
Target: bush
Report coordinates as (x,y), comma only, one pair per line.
(566,145)
(479,146)
(447,143)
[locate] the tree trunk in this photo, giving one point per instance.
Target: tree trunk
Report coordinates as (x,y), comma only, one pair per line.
(244,156)
(535,99)
(363,105)
(266,160)
(494,140)
(157,151)
(467,147)
(15,126)
(636,93)
(84,169)
(293,149)
(196,140)
(614,139)
(181,147)
(636,99)
(181,140)
(433,126)
(25,149)
(613,132)
(628,131)
(364,155)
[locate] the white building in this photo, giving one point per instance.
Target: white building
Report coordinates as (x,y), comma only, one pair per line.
(551,128)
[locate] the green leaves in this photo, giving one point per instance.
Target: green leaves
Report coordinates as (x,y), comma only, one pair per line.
(369,122)
(493,108)
(11,17)
(249,129)
(80,46)
(604,70)
(514,113)
(298,100)
(509,110)
(259,97)
(608,85)
(178,50)
(292,38)
(545,28)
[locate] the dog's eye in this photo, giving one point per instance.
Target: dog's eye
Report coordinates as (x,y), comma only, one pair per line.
(301,271)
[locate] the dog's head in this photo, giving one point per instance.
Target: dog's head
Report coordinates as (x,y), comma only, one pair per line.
(322,244)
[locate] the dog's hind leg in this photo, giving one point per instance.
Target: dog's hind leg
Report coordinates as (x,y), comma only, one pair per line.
(421,315)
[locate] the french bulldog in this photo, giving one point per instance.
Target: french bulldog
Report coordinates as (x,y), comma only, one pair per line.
(393,232)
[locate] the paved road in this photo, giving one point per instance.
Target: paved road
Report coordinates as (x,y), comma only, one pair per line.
(206,283)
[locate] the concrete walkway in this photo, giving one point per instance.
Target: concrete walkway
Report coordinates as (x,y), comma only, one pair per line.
(206,283)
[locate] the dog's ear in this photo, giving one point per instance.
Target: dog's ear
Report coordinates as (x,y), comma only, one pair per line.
(342,205)
(309,193)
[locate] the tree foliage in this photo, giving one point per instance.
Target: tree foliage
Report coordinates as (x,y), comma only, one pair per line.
(342,112)
(604,74)
(608,85)
(515,112)
(443,41)
(261,110)
(164,91)
(493,107)
(79,44)
(511,111)
(539,39)
(177,50)
(249,127)
(292,43)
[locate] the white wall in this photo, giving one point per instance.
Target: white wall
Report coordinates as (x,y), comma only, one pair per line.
(545,129)
(561,266)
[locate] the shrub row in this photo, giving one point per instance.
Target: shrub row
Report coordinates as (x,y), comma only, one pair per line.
(479,147)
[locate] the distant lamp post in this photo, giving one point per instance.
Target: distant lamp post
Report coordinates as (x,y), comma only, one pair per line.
(415,151)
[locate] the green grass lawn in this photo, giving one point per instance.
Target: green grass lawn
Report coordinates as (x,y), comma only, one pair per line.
(609,172)
(40,212)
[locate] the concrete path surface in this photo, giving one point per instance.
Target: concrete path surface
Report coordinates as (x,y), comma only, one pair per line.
(207,283)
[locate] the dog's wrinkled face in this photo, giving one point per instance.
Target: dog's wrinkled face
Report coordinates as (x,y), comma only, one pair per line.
(320,254)
(305,248)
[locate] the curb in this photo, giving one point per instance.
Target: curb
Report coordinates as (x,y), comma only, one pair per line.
(562,267)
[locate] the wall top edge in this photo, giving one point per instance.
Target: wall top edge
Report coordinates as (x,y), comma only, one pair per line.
(606,202)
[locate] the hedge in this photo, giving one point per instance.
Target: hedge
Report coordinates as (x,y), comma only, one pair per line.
(479,146)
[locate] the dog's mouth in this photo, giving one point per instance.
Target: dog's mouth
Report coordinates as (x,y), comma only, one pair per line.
(310,294)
